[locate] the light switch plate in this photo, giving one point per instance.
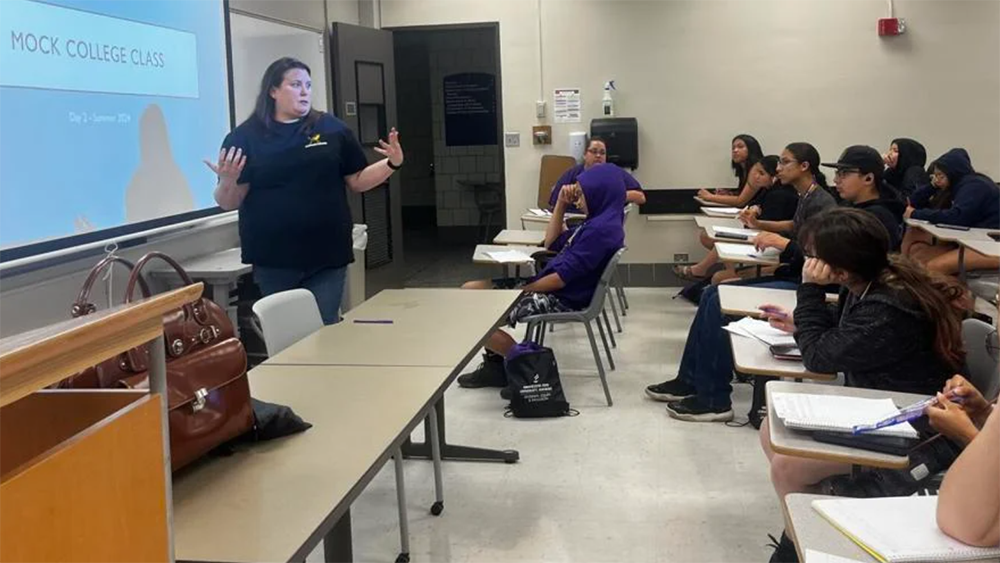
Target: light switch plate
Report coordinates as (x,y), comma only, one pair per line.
(512,139)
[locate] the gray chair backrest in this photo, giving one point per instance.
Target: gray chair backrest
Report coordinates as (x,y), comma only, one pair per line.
(981,357)
(597,301)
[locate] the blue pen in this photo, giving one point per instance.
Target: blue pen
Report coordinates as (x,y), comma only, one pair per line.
(372,322)
(912,412)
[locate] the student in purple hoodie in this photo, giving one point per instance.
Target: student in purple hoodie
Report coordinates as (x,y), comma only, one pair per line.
(568,280)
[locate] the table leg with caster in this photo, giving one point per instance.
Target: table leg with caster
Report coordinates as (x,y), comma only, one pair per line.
(438,507)
(413,450)
(404,523)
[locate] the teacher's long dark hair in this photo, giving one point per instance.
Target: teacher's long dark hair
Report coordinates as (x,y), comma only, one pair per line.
(263,111)
(856,242)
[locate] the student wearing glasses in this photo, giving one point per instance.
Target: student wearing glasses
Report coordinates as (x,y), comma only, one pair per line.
(596,153)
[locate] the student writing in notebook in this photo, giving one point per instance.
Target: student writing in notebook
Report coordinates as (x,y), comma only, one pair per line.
(969,500)
(895,328)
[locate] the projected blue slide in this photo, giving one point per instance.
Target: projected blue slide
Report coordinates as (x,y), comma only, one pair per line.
(107,109)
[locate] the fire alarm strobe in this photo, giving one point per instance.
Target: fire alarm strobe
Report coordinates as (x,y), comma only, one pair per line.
(891,26)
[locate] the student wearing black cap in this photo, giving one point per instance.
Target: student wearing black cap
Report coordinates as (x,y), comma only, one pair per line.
(859,180)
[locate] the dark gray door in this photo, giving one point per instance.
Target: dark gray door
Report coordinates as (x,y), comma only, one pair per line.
(364,97)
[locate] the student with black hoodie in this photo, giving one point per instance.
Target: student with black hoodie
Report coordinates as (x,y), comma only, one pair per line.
(957,195)
(896,327)
(904,166)
(701,391)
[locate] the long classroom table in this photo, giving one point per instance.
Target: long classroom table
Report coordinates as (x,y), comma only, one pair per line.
(277,500)
(440,328)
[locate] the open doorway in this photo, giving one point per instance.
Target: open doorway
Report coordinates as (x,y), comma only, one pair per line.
(451,124)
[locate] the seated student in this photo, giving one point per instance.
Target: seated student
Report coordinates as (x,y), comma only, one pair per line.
(701,392)
(568,281)
(774,202)
(969,499)
(596,153)
(896,327)
(904,166)
(957,195)
(745,152)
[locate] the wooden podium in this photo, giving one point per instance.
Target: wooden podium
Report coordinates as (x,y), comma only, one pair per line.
(85,473)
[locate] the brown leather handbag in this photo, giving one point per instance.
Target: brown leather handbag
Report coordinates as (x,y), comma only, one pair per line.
(208,394)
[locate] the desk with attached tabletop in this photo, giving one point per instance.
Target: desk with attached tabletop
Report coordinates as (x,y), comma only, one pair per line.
(730,252)
(751,235)
(962,237)
(529,217)
(481,256)
(706,203)
(276,500)
(723,212)
(414,327)
(795,443)
(705,222)
(519,237)
(219,271)
(985,247)
(746,300)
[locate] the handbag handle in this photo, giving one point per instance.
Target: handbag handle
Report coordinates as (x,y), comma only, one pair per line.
(137,272)
(82,305)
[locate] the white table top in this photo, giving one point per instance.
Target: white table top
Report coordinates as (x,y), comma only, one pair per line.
(707,203)
(520,237)
(952,235)
(751,356)
(714,236)
(723,248)
(745,300)
(529,217)
(264,502)
(220,266)
(717,212)
(985,247)
(704,221)
(796,443)
(430,327)
(480,256)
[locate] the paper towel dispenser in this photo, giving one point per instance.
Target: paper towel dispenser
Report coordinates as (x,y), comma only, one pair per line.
(621,136)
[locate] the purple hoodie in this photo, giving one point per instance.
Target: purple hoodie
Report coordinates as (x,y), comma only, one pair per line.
(582,261)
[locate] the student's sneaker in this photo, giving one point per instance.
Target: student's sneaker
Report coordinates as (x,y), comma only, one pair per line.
(490,373)
(668,391)
(692,410)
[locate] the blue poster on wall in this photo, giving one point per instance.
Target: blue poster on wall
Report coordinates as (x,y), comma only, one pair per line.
(470,109)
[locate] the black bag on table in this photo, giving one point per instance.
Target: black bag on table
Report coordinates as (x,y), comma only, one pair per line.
(533,377)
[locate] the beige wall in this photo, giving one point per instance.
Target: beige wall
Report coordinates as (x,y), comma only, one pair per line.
(695,72)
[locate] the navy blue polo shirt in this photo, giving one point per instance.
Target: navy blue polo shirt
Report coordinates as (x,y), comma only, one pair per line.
(295,214)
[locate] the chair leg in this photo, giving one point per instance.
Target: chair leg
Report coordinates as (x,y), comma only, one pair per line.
(604,339)
(541,334)
(600,364)
(607,323)
(432,419)
(614,311)
(620,291)
(404,525)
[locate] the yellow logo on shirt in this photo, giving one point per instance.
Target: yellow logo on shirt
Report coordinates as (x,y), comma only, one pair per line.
(315,142)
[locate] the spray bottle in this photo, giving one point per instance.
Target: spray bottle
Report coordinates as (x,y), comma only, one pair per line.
(608,102)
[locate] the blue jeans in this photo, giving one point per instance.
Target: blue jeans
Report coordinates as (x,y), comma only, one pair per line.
(326,284)
(707,363)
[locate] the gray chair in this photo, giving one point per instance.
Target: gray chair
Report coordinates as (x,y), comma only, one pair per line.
(985,286)
(593,312)
(982,357)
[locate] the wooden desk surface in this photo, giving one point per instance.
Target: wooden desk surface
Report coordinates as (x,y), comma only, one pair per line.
(268,502)
(520,237)
(431,327)
(221,266)
(752,356)
(727,254)
(479,255)
(704,222)
(796,443)
(745,300)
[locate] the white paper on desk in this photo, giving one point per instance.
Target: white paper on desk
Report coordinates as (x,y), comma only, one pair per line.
(509,257)
(813,556)
(760,330)
(540,212)
(747,251)
(735,231)
(729,211)
(837,413)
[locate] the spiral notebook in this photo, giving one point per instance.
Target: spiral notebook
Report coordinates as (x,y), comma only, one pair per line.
(837,413)
(898,529)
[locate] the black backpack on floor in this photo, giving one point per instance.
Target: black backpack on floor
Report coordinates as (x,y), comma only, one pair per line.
(533,378)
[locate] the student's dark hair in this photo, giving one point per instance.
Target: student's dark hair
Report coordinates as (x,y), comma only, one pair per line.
(804,152)
(590,139)
(856,241)
(263,111)
(770,164)
(754,153)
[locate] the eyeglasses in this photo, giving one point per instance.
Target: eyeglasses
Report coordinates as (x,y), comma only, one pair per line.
(597,152)
(786,162)
(844,172)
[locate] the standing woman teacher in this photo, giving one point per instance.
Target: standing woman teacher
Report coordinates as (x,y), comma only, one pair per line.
(285,168)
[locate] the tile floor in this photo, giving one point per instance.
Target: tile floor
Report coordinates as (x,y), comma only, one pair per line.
(624,483)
